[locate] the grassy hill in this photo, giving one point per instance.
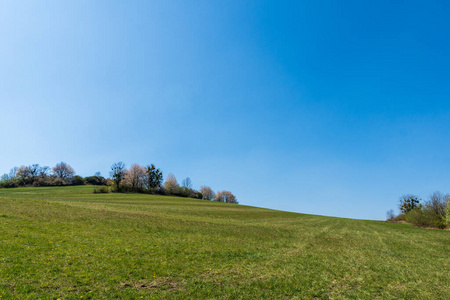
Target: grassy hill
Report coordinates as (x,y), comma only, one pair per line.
(69,243)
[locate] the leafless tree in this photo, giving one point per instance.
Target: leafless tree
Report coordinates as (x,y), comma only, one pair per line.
(207,193)
(44,172)
(438,203)
(390,214)
(225,196)
(187,183)
(171,185)
(63,171)
(13,173)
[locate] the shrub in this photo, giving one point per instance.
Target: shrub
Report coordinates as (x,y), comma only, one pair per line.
(417,217)
(184,191)
(95,180)
(10,183)
(78,180)
(425,216)
(101,190)
(448,211)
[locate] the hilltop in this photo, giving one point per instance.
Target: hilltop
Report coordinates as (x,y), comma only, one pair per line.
(68,243)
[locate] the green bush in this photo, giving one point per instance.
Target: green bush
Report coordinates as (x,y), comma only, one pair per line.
(78,180)
(424,216)
(101,190)
(95,180)
(183,191)
(448,212)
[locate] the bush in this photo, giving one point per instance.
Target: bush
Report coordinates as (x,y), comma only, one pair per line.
(10,183)
(448,212)
(183,191)
(417,217)
(95,180)
(425,216)
(78,180)
(101,190)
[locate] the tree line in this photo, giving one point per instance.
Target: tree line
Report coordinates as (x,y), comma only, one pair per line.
(434,212)
(137,179)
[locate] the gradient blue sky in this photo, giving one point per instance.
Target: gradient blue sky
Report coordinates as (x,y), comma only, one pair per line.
(324,107)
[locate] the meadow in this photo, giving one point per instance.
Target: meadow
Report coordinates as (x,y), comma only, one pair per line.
(68,243)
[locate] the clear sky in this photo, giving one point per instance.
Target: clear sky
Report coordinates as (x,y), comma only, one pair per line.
(324,107)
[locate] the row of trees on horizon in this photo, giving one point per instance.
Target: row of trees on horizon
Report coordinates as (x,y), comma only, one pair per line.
(136,179)
(434,212)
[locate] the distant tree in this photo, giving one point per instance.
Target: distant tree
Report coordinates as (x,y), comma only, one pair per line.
(34,171)
(438,203)
(447,212)
(187,183)
(13,173)
(408,203)
(24,172)
(135,178)
(44,172)
(78,180)
(225,196)
(171,185)
(390,214)
(154,177)
(5,177)
(207,193)
(117,173)
(63,171)
(98,174)
(95,180)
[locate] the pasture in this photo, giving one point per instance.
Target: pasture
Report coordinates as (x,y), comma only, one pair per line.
(68,243)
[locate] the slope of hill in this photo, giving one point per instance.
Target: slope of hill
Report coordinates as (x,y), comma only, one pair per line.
(68,243)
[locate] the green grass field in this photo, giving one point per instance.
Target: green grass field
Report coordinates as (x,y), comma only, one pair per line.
(69,243)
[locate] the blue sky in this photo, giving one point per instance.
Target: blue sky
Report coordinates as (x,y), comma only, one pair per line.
(325,107)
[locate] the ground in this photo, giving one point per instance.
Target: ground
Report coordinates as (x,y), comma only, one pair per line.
(68,243)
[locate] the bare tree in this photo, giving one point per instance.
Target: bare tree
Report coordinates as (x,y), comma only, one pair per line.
(225,196)
(187,183)
(135,178)
(63,171)
(390,214)
(44,172)
(438,203)
(207,193)
(34,170)
(13,173)
(171,185)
